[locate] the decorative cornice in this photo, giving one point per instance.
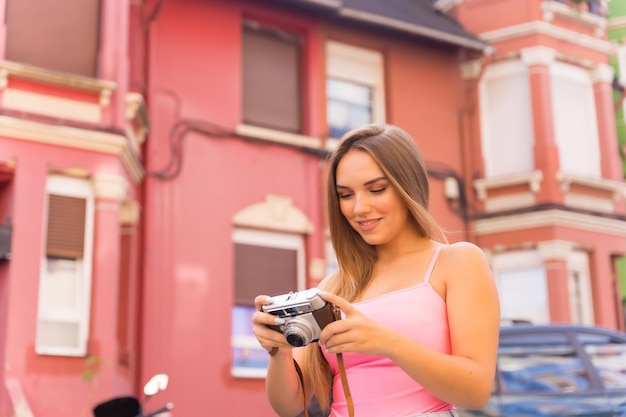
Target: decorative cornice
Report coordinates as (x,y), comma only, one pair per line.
(551,218)
(552,8)
(617,23)
(548,29)
(110,186)
(555,249)
(275,213)
(616,188)
(538,55)
(75,138)
(602,73)
(533,179)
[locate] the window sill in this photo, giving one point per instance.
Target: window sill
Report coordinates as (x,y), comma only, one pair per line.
(277,136)
(103,88)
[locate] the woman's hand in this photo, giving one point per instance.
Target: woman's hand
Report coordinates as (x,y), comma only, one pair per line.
(354,333)
(268,338)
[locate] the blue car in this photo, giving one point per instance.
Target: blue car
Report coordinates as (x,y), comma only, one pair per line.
(558,371)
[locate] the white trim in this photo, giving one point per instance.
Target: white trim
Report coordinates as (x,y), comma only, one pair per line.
(533,179)
(547,29)
(277,136)
(72,137)
(551,218)
(51,106)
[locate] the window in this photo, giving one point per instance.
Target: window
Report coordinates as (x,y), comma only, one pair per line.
(271,78)
(269,263)
(65,277)
(354,87)
(540,363)
(579,286)
(61,41)
(506,120)
(521,280)
(575,125)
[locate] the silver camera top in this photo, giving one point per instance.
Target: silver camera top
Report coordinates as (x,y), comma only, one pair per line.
(295,303)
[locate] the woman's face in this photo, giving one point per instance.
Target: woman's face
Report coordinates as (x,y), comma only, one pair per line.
(368,200)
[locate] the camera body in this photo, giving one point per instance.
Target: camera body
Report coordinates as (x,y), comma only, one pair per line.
(305,313)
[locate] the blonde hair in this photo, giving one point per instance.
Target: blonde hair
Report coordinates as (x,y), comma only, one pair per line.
(397,155)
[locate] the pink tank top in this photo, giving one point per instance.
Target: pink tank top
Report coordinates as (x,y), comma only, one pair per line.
(378,386)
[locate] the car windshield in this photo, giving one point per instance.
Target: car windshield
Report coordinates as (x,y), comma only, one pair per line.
(540,363)
(608,356)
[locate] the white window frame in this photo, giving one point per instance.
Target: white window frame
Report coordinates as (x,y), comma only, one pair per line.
(79,314)
(527,262)
(270,239)
(579,287)
(362,66)
(583,157)
(515,133)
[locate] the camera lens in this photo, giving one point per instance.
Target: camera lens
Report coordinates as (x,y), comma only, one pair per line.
(298,332)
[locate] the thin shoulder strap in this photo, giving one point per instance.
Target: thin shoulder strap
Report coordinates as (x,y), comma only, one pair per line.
(432,263)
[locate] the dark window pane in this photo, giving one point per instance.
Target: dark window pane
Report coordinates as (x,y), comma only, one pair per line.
(263,270)
(271,79)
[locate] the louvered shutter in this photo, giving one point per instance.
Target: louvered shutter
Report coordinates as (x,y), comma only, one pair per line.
(66,226)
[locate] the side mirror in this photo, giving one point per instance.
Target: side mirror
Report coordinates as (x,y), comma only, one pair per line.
(156,384)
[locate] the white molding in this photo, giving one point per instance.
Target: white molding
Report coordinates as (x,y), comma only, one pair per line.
(551,218)
(552,8)
(602,73)
(538,55)
(617,188)
(547,29)
(510,202)
(51,106)
(617,23)
(277,136)
(533,179)
(446,5)
(72,137)
(555,249)
(109,186)
(276,213)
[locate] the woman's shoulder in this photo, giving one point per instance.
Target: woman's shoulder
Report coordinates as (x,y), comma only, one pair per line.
(459,256)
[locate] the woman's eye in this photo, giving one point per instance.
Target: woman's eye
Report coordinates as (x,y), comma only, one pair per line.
(378,190)
(343,196)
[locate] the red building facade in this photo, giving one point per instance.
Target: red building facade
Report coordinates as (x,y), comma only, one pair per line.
(162,162)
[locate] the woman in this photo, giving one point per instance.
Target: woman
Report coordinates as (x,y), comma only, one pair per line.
(420,323)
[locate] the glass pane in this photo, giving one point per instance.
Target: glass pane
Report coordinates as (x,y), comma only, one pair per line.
(51,334)
(349,105)
(523,294)
(248,355)
(539,365)
(608,357)
(60,284)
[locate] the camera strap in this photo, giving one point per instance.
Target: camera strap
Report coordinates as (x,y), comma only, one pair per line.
(342,373)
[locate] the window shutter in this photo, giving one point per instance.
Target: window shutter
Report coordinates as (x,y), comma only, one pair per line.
(66,226)
(271,79)
(263,270)
(59,35)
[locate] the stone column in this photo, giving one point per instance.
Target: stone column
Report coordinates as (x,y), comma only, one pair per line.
(546,152)
(554,254)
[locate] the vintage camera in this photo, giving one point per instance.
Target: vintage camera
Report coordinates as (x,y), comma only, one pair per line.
(305,314)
